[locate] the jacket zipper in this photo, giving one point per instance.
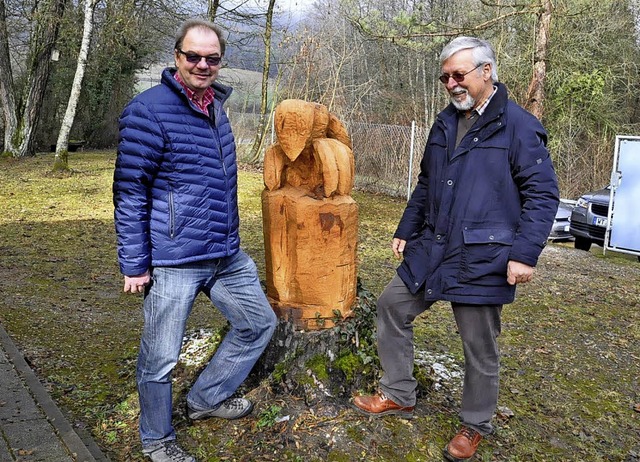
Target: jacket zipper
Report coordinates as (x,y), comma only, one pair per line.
(216,133)
(172,222)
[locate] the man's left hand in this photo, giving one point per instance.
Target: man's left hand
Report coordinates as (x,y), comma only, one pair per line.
(518,273)
(136,284)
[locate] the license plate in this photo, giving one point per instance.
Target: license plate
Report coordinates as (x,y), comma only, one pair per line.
(599,221)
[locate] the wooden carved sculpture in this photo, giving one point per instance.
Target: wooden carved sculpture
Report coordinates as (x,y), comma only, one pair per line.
(310,220)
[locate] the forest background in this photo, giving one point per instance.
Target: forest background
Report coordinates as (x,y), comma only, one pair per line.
(573,63)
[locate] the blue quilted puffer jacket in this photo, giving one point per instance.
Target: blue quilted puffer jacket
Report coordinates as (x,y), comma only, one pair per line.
(175,180)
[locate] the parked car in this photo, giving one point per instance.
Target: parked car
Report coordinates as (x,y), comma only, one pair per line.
(560,228)
(589,219)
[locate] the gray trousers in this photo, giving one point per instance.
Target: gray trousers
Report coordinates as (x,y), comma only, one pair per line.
(479,327)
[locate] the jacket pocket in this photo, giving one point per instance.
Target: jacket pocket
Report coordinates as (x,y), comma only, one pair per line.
(412,249)
(485,254)
(172,215)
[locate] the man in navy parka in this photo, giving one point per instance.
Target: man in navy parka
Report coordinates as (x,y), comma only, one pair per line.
(473,228)
(176,216)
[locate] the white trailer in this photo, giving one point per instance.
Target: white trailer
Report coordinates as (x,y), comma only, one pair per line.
(623,224)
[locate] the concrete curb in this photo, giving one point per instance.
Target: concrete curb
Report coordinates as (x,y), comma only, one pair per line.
(81,450)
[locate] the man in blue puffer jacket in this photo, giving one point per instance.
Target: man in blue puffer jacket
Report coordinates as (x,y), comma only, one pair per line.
(176,218)
(474,227)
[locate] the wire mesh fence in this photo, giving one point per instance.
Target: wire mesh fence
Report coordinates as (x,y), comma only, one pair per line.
(387,157)
(245,125)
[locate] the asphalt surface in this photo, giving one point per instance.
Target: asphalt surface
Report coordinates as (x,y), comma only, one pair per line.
(32,427)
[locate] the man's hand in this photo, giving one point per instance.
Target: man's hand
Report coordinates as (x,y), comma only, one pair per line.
(398,247)
(518,272)
(136,284)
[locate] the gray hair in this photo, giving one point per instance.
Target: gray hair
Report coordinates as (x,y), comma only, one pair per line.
(482,52)
(199,24)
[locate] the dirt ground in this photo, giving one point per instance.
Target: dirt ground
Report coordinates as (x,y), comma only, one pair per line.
(569,384)
(570,343)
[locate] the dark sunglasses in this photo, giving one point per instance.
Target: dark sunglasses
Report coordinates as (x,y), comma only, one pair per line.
(457,76)
(195,58)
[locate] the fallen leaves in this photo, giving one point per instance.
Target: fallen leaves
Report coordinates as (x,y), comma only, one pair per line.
(504,413)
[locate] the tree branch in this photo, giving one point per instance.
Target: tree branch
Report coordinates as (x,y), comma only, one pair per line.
(447,30)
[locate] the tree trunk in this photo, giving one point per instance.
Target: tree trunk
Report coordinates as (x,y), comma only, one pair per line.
(61,161)
(535,93)
(213,10)
(327,364)
(7,95)
(20,131)
(261,131)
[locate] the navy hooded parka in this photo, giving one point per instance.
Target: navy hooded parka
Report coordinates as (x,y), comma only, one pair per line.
(476,206)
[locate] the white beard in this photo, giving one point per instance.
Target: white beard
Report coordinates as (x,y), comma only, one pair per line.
(466,105)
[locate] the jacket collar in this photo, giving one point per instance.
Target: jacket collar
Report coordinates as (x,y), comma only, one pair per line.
(222,92)
(449,118)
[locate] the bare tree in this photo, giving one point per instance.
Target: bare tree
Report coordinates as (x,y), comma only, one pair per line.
(212,11)
(535,94)
(7,95)
(61,160)
(261,130)
(378,81)
(22,113)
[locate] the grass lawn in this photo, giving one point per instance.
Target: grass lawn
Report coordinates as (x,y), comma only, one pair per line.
(570,343)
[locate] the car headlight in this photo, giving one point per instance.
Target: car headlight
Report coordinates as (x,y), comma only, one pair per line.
(582,202)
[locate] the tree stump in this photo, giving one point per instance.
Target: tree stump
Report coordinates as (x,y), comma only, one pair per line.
(324,365)
(324,345)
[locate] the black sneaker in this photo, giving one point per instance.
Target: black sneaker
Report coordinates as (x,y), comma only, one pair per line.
(167,451)
(232,408)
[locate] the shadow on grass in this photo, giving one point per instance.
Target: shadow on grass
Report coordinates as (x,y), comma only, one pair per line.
(570,386)
(62,302)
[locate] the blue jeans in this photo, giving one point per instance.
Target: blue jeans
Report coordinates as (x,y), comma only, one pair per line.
(232,285)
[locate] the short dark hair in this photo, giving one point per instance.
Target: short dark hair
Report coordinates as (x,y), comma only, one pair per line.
(199,24)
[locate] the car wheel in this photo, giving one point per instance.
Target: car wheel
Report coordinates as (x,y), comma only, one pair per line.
(582,244)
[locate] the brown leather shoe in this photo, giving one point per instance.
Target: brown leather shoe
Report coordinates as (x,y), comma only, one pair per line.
(378,405)
(463,446)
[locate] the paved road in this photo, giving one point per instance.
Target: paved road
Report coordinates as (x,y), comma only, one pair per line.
(32,428)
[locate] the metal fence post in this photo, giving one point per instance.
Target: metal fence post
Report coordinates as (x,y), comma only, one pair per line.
(413,140)
(273,127)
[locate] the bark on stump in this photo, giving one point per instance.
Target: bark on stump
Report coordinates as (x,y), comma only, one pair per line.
(328,365)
